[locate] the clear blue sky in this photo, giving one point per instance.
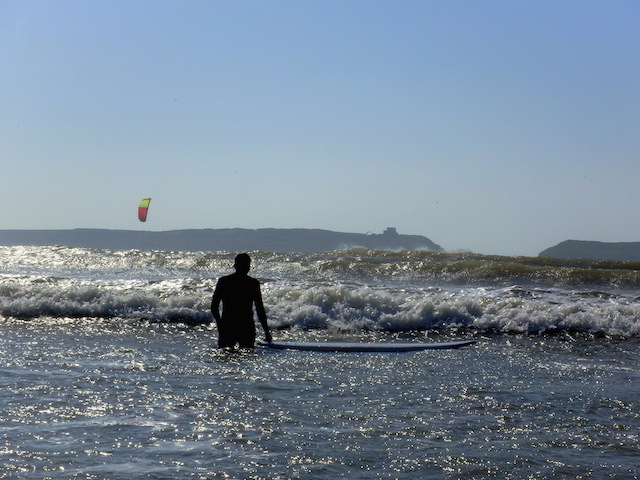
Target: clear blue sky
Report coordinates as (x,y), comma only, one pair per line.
(497,126)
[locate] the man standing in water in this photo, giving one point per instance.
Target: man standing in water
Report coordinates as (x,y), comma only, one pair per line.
(238,293)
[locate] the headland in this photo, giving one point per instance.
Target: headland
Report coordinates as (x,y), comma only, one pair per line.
(233,239)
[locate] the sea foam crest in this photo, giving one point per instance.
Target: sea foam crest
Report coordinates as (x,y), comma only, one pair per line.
(53,297)
(326,306)
(359,290)
(347,307)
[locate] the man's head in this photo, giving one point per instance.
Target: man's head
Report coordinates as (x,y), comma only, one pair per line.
(242,263)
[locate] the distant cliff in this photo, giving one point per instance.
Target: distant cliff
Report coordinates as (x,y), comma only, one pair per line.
(594,250)
(235,239)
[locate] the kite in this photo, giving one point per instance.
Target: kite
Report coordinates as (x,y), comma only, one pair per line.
(143,208)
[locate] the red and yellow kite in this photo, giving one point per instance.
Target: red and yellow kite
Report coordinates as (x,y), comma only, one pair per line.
(143,208)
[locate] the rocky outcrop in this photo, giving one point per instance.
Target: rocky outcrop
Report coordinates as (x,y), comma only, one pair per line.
(594,250)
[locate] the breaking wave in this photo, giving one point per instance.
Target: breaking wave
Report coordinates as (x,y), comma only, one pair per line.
(356,290)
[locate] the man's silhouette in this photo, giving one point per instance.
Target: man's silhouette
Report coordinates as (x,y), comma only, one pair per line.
(238,293)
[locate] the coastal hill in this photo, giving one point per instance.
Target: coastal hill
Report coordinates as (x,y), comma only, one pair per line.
(234,239)
(594,250)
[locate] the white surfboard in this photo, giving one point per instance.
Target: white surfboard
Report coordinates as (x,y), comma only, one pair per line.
(365,347)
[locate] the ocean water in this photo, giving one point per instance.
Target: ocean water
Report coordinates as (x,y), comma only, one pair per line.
(110,368)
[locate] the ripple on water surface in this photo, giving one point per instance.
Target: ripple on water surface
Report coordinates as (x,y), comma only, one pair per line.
(109,399)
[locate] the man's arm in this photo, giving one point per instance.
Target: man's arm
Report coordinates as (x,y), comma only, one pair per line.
(215,303)
(262,316)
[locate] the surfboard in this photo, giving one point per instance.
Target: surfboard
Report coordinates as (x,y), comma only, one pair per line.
(365,347)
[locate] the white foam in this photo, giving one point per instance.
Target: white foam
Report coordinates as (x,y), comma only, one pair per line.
(301,291)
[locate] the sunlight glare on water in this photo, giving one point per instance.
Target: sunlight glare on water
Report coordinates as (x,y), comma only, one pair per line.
(109,371)
(125,400)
